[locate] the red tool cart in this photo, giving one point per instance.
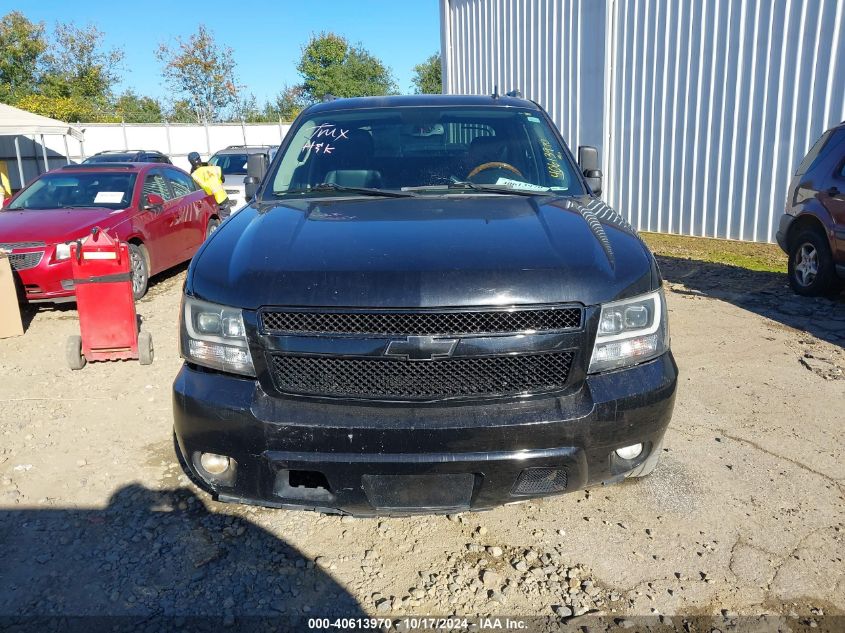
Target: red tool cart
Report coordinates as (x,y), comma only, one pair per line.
(107,320)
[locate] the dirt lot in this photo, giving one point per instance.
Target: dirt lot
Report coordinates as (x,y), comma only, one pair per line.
(744,516)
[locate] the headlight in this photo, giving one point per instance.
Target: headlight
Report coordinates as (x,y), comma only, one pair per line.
(630,332)
(62,251)
(214,336)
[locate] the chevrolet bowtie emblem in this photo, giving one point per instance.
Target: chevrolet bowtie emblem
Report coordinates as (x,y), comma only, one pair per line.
(421,347)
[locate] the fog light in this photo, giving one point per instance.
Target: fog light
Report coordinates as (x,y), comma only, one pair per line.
(630,452)
(214,464)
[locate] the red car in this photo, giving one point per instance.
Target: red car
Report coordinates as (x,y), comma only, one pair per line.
(158,209)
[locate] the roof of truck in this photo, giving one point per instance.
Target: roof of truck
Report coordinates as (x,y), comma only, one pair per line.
(422,100)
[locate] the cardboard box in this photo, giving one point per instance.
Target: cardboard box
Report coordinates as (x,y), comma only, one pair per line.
(10,311)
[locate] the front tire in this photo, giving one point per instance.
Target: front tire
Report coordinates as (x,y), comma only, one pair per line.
(811,269)
(140,271)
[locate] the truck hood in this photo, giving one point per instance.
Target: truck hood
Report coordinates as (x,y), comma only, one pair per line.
(51,225)
(475,250)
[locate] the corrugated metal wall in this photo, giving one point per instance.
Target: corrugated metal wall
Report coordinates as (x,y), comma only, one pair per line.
(552,51)
(713,105)
(707,107)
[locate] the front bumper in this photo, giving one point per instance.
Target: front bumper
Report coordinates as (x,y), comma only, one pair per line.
(373,460)
(49,281)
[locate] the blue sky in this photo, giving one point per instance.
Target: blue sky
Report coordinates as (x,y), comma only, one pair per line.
(266,36)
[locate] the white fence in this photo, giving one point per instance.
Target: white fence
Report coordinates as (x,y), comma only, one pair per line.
(175,140)
(702,110)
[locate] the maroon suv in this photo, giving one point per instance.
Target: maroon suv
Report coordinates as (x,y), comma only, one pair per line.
(812,231)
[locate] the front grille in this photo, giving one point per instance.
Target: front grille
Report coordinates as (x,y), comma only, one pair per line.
(23,261)
(13,245)
(357,378)
(540,481)
(423,323)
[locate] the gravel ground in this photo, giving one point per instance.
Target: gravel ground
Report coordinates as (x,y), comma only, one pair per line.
(743,517)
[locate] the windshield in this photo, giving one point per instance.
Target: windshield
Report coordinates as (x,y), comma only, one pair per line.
(60,190)
(234,164)
(425,149)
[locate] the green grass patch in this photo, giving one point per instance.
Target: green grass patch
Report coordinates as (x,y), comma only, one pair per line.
(750,255)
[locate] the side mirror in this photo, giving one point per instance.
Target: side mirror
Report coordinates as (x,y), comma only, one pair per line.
(256,166)
(250,187)
(152,202)
(588,161)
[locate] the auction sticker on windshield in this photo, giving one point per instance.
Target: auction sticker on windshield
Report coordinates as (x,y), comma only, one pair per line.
(108,197)
(520,185)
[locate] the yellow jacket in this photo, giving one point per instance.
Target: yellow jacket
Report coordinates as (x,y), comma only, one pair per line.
(5,188)
(210,178)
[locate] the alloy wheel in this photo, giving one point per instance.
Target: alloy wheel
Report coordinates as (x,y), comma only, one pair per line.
(806,264)
(138,271)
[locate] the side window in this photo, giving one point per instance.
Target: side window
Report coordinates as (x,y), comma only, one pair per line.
(830,141)
(156,184)
(840,154)
(182,184)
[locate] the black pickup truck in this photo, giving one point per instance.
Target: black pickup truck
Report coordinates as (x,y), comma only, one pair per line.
(425,308)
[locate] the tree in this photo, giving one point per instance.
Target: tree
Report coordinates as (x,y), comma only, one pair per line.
(330,65)
(77,66)
(427,78)
(290,102)
(284,107)
(180,111)
(22,45)
(63,108)
(245,109)
(132,108)
(202,72)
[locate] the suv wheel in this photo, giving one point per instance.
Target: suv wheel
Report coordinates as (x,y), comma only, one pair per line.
(811,270)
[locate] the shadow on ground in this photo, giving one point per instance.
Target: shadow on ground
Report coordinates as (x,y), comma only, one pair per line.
(764,293)
(156,558)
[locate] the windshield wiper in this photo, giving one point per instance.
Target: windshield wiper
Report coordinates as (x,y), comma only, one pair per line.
(500,189)
(364,191)
(82,206)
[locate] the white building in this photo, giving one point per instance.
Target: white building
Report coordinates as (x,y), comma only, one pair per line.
(701,109)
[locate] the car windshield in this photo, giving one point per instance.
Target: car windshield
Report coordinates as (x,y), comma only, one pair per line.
(110,158)
(234,164)
(426,149)
(79,190)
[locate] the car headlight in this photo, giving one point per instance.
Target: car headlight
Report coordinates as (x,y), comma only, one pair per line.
(214,336)
(62,252)
(630,331)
